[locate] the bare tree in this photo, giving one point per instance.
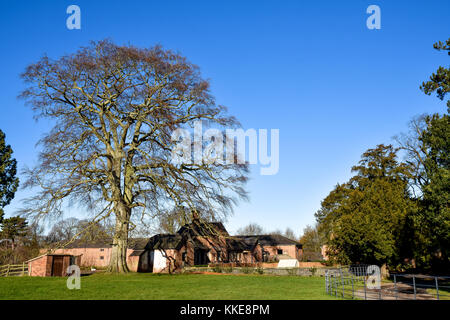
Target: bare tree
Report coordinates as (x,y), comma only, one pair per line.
(312,243)
(93,232)
(288,233)
(416,152)
(172,220)
(110,150)
(252,229)
(63,230)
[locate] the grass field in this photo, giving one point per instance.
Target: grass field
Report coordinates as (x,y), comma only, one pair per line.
(167,287)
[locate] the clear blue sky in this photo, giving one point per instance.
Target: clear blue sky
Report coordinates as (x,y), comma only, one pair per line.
(309,68)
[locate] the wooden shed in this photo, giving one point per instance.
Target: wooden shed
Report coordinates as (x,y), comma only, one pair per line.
(51,265)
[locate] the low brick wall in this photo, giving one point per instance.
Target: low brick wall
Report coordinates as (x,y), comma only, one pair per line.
(270,265)
(311,265)
(305,272)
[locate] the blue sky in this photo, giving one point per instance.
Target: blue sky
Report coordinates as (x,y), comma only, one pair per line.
(311,69)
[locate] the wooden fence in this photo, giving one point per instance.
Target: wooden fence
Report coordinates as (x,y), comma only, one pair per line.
(14,270)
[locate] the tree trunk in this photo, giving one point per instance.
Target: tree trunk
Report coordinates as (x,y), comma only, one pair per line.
(118,262)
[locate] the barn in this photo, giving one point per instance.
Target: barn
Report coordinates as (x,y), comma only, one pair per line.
(98,254)
(51,265)
(203,243)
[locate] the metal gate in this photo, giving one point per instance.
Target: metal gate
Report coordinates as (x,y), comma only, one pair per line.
(353,283)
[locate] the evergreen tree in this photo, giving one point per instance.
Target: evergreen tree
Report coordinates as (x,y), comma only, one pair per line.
(8,170)
(13,228)
(363,219)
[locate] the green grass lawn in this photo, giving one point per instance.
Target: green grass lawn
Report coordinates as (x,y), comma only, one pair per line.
(167,287)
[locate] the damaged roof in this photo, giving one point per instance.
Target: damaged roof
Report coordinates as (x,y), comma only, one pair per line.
(164,241)
(268,240)
(202,228)
(234,244)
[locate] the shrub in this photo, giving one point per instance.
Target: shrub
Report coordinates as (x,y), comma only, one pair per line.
(228,269)
(217,268)
(247,270)
(291,271)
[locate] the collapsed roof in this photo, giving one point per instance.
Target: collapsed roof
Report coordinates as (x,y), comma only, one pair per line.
(268,240)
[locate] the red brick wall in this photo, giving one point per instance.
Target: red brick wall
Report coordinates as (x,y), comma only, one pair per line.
(133,263)
(291,250)
(310,265)
(91,257)
(39,267)
(42,266)
(211,244)
(257,252)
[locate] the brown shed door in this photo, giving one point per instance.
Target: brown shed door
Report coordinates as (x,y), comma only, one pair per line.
(57,269)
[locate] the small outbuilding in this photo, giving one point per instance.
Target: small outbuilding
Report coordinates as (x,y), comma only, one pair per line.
(51,265)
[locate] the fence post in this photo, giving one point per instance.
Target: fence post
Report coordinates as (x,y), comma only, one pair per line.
(365,290)
(342,283)
(395,287)
(414,285)
(437,287)
(330,283)
(7,270)
(326,281)
(379,292)
(23,269)
(335,286)
(353,289)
